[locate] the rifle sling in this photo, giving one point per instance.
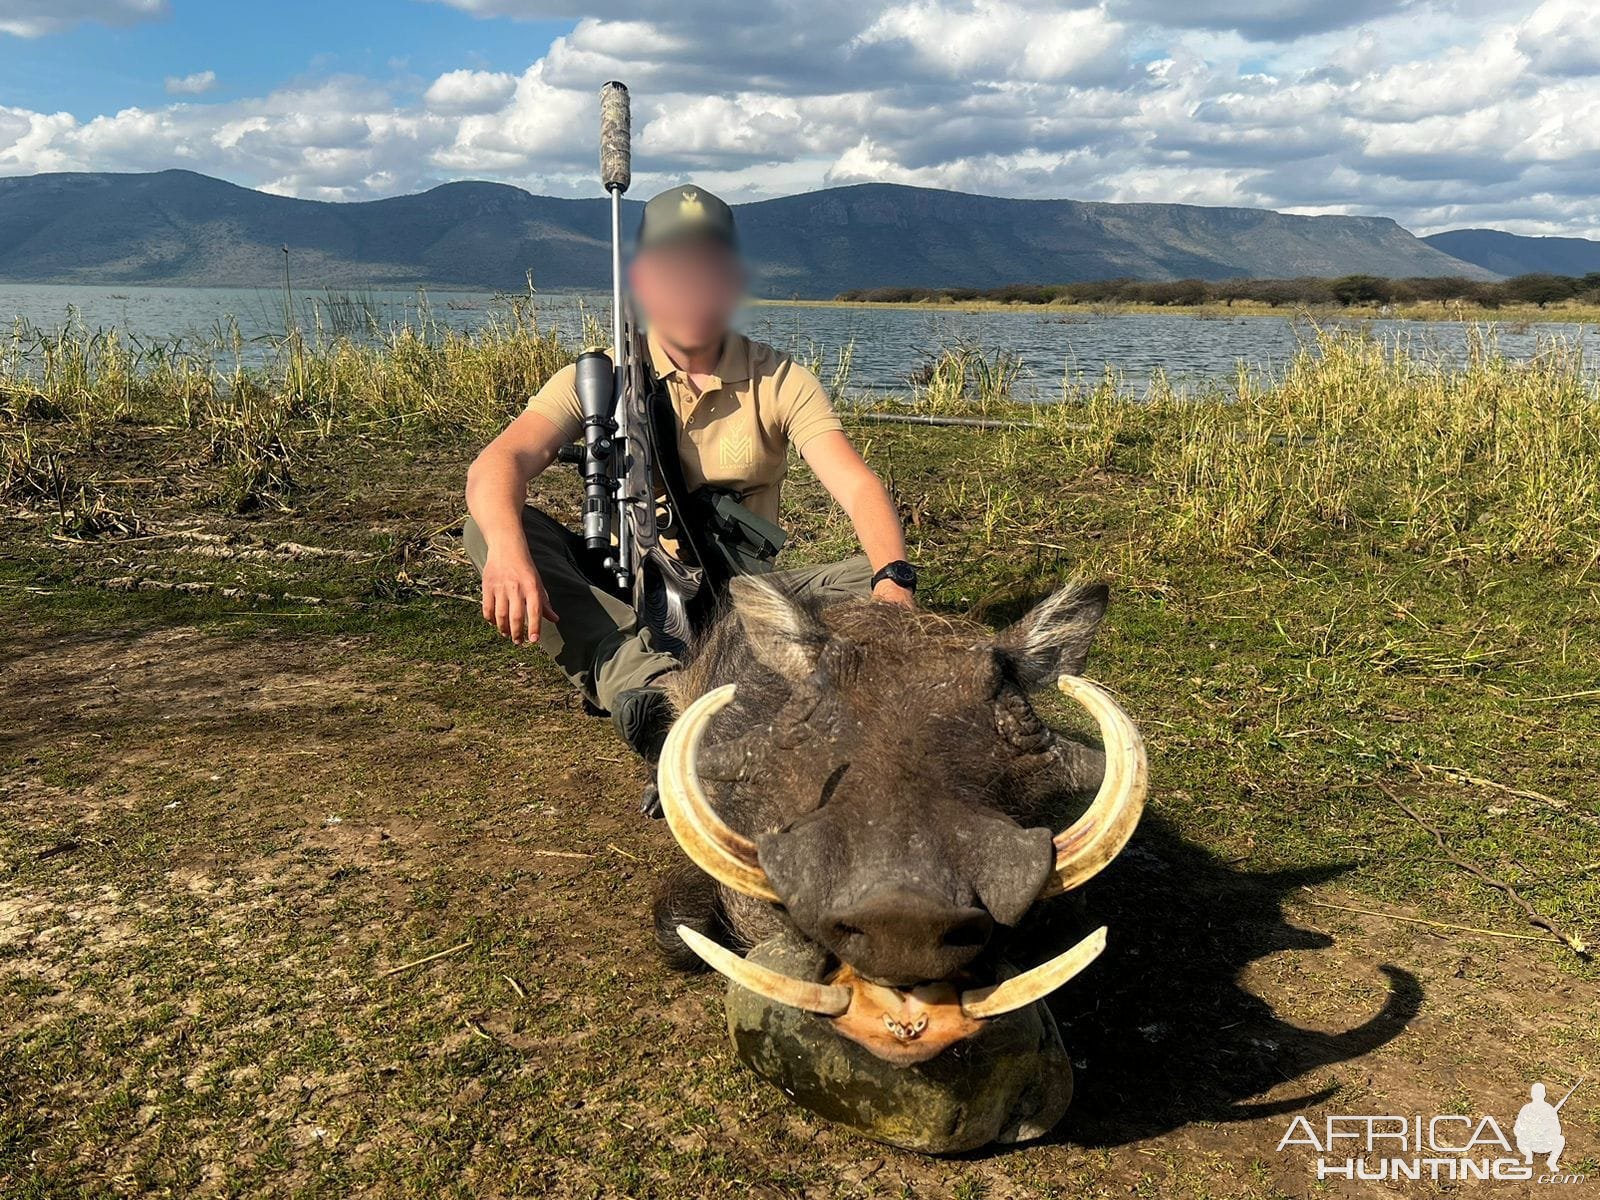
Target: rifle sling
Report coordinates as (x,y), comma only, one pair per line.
(663,431)
(715,531)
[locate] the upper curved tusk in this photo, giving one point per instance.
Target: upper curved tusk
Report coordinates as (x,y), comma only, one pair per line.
(1022,990)
(1098,836)
(824,998)
(725,855)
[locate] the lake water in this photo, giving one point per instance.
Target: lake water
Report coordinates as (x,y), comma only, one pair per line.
(890,344)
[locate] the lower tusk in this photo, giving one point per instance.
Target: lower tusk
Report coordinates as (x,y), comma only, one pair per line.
(1022,990)
(821,998)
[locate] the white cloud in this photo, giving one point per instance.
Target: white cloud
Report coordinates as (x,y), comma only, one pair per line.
(35,18)
(197,84)
(470,91)
(997,39)
(737,127)
(31,142)
(1458,81)
(540,127)
(1562,37)
(1266,19)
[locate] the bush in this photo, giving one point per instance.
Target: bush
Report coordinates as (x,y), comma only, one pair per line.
(1304,292)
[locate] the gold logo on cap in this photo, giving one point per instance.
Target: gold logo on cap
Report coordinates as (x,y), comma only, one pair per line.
(691,208)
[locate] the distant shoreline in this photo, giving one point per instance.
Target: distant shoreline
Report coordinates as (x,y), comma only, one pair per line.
(1565,312)
(1517,314)
(308,288)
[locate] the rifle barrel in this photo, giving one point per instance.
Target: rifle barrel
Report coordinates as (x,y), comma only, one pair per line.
(616,174)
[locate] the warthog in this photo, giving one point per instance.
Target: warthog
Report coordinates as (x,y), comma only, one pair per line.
(871,792)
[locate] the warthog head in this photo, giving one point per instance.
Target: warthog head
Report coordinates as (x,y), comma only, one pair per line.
(878,783)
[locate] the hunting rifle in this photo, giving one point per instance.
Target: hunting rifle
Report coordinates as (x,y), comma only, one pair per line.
(624,450)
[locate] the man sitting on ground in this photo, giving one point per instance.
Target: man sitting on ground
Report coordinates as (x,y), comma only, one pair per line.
(739,406)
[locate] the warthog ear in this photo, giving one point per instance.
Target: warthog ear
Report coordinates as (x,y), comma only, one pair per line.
(1055,637)
(784,635)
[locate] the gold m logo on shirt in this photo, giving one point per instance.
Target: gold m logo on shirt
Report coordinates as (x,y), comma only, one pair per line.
(738,450)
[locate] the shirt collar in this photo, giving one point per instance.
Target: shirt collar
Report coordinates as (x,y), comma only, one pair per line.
(733,365)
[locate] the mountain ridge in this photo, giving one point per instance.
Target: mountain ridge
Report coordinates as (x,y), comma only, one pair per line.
(182,228)
(1519,254)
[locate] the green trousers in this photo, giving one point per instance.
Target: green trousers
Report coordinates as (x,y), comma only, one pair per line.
(599,642)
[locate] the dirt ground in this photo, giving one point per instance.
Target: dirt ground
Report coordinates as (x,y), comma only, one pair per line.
(224,854)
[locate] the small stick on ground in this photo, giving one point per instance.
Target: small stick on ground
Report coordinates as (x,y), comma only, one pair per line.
(1535,917)
(417,962)
(1389,916)
(1584,695)
(1560,806)
(1479,781)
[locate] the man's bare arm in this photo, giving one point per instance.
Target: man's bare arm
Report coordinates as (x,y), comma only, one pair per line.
(514,598)
(866,501)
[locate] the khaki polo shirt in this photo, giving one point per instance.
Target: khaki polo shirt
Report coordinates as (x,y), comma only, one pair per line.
(737,433)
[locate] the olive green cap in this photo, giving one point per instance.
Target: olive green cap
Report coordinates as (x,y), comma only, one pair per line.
(686,214)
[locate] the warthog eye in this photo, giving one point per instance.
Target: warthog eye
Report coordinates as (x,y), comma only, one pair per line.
(1019,725)
(831,784)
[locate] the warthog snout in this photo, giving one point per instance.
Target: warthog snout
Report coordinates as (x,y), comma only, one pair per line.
(902,935)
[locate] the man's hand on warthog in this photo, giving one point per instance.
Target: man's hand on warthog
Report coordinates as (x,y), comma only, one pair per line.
(891,592)
(514,599)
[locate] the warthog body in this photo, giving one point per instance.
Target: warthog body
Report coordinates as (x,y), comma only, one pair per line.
(894,795)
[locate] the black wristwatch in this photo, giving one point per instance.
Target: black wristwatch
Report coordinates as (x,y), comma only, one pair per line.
(901,573)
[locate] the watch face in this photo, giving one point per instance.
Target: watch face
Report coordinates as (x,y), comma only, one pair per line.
(902,574)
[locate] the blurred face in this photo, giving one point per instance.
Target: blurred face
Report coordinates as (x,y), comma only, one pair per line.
(688,292)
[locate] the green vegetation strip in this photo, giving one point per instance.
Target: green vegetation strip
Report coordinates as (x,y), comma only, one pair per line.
(1437,296)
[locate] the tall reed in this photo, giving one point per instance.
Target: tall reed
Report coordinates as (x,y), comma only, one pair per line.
(1496,456)
(257,404)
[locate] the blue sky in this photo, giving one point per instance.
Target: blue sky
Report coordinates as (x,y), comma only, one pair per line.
(95,68)
(1439,113)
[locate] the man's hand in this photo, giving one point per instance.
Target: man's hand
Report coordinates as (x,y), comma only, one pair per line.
(892,593)
(514,599)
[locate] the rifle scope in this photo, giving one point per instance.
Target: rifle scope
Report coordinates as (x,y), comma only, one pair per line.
(596,396)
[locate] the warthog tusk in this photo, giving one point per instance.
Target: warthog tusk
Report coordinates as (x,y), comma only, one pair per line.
(1098,836)
(763,981)
(1022,990)
(725,855)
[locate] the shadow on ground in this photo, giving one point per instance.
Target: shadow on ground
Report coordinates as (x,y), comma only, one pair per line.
(1163,1029)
